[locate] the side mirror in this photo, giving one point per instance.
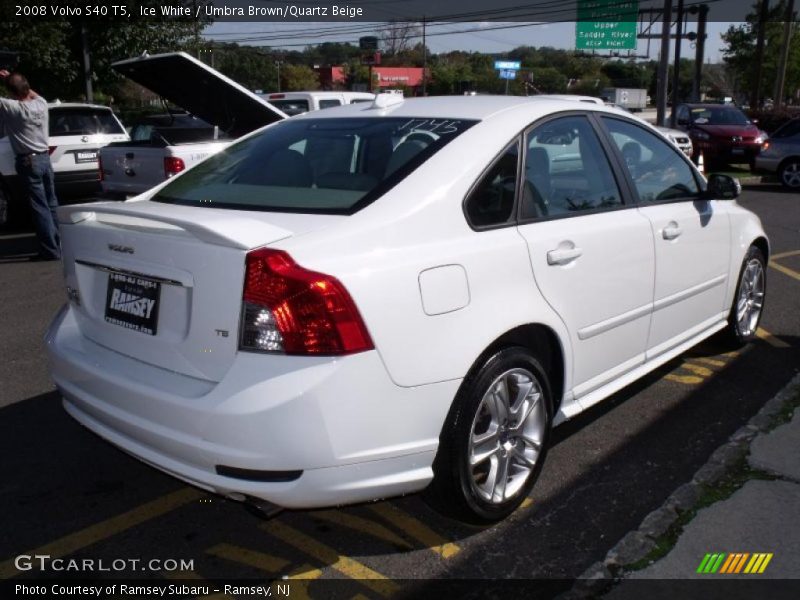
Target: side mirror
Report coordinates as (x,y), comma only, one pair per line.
(723,187)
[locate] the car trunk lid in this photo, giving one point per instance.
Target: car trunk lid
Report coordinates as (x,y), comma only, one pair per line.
(201,90)
(161,283)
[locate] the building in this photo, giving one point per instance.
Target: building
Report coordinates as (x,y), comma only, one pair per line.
(409,78)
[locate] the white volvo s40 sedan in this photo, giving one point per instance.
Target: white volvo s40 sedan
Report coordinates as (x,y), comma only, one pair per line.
(376,299)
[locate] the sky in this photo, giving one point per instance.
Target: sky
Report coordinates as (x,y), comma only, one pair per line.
(485,39)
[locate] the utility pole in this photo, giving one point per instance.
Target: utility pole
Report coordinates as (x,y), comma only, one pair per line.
(424,60)
(676,74)
(755,94)
(278,64)
(780,82)
(699,53)
(87,69)
(663,65)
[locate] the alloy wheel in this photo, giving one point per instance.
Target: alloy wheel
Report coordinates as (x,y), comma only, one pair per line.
(507,435)
(751,297)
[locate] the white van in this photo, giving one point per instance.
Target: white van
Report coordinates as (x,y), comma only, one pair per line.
(295,103)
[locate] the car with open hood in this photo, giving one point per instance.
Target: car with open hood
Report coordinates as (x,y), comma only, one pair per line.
(376,299)
(169,144)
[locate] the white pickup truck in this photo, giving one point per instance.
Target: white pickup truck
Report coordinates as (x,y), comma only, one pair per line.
(165,145)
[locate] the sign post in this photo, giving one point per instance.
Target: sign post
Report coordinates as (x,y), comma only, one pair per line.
(606,24)
(507,69)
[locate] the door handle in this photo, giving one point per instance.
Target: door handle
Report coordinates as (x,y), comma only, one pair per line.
(671,231)
(562,256)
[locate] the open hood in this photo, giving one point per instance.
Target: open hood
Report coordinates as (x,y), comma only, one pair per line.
(204,92)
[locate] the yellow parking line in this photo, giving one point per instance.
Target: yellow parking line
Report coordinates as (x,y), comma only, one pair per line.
(765,335)
(785,270)
(415,529)
(526,503)
(697,369)
(710,361)
(344,564)
(259,560)
(685,379)
(105,529)
(362,525)
(784,255)
(300,579)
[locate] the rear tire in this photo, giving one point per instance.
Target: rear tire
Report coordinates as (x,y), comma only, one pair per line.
(495,439)
(748,301)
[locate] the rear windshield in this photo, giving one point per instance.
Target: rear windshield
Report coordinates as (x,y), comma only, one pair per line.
(291,107)
(719,116)
(334,166)
(82,121)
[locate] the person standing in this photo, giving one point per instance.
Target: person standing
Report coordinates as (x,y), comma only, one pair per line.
(24,119)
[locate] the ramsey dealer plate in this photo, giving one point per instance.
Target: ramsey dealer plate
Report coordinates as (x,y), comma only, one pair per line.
(132,302)
(85,156)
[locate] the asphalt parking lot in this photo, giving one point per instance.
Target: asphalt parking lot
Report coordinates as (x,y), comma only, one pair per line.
(68,494)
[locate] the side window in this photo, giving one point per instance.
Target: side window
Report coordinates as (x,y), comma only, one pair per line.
(566,171)
(658,169)
(328,103)
(492,200)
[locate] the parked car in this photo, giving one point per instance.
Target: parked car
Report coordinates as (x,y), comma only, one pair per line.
(680,138)
(219,110)
(375,299)
(722,132)
(77,132)
(781,154)
(295,103)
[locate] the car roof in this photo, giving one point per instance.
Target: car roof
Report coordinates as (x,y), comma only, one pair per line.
(59,104)
(458,107)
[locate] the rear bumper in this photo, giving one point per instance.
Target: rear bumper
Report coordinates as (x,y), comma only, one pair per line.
(77,183)
(353,433)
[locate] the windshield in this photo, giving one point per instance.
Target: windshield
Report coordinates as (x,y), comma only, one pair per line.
(718,116)
(790,129)
(334,166)
(82,121)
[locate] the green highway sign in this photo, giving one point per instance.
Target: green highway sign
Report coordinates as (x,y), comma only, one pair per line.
(606,24)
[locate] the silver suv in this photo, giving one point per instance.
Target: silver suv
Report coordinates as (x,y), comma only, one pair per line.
(77,132)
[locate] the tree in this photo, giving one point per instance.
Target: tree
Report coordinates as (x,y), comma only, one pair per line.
(298,77)
(249,66)
(740,50)
(397,36)
(51,52)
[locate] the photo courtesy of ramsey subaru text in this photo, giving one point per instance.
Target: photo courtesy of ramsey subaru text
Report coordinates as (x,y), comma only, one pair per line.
(396,296)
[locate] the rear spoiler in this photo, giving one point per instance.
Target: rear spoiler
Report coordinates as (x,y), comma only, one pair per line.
(213,226)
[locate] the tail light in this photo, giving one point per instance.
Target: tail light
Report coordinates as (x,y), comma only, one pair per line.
(100,175)
(291,310)
(173,165)
(51,149)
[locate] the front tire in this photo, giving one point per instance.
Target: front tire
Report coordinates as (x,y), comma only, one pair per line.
(748,301)
(495,439)
(789,173)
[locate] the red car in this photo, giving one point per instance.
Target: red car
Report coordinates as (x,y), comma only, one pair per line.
(723,133)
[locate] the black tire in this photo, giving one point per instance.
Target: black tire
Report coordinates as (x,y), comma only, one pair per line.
(738,332)
(454,491)
(4,201)
(791,165)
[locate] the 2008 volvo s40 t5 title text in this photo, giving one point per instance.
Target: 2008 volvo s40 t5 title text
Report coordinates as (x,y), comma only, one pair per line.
(381,298)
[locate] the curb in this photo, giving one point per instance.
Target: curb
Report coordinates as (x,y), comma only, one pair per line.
(637,544)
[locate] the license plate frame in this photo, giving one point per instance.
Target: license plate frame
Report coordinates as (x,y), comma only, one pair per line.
(86,156)
(132,302)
